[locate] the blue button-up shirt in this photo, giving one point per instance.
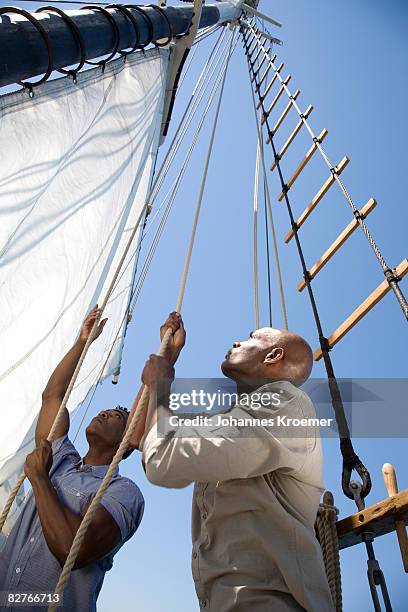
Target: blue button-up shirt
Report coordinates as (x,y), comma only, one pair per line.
(26,563)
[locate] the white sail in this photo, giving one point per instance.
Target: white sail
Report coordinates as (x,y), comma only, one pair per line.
(76,165)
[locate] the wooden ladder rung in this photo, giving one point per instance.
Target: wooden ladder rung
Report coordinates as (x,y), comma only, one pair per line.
(378,519)
(283,115)
(304,162)
(276,98)
(256,72)
(258,41)
(293,135)
(340,240)
(319,196)
(257,55)
(265,74)
(363,309)
(268,88)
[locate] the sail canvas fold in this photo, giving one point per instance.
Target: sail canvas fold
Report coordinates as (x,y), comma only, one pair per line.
(76,166)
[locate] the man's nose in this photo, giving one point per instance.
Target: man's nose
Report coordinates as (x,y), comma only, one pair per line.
(103,413)
(236,344)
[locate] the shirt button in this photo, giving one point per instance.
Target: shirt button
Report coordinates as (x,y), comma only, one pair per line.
(204,516)
(31,540)
(203,603)
(78,494)
(195,555)
(18,570)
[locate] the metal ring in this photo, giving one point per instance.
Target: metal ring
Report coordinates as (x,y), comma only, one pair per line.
(44,35)
(169,24)
(148,22)
(127,13)
(115,28)
(77,35)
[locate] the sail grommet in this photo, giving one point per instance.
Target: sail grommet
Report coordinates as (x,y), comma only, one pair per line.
(108,16)
(148,22)
(44,34)
(169,25)
(77,35)
(125,11)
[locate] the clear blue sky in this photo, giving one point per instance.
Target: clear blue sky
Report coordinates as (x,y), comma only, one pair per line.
(349,60)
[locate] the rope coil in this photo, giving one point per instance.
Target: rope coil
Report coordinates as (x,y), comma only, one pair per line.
(327,535)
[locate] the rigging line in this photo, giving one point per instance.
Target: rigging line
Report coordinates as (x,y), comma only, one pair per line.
(143,273)
(391,278)
(351,461)
(255,234)
(273,231)
(173,190)
(204,181)
(205,35)
(124,445)
(268,264)
(179,179)
(189,112)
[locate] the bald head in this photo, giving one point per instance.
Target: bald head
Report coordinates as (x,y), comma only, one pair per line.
(269,354)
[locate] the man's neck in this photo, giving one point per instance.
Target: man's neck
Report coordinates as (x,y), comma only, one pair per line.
(98,456)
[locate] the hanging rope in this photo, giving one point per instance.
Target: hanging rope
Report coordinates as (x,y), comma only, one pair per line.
(327,535)
(124,445)
(268,264)
(268,197)
(255,234)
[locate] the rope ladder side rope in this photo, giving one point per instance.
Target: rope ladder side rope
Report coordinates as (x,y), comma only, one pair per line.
(389,273)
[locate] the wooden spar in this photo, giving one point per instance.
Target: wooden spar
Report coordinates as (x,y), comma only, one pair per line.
(318,197)
(276,98)
(378,519)
(268,88)
(304,162)
(19,37)
(363,309)
(292,136)
(340,240)
(390,480)
(283,115)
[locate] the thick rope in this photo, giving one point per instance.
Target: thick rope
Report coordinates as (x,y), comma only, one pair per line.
(124,445)
(327,535)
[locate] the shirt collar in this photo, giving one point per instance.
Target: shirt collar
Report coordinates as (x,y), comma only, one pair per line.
(98,471)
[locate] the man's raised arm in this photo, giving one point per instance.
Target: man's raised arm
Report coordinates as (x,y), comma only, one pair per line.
(57,385)
(174,348)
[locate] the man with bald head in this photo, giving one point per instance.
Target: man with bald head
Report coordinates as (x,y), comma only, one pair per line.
(257,486)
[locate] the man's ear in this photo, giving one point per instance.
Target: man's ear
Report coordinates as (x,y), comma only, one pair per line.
(275,355)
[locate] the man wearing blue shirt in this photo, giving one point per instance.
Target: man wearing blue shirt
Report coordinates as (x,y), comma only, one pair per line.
(63,486)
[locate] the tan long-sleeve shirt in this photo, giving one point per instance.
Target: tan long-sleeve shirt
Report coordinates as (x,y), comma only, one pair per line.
(256,494)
